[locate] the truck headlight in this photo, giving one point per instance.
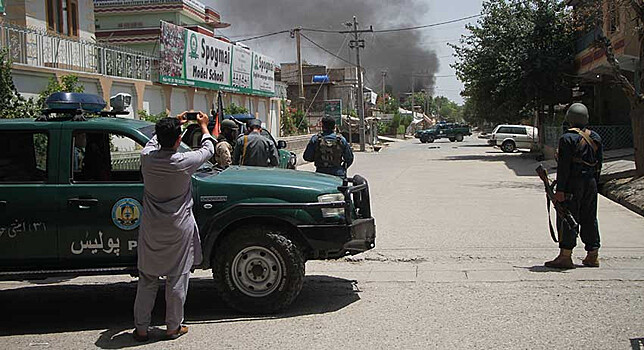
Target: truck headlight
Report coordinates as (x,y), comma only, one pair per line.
(331,212)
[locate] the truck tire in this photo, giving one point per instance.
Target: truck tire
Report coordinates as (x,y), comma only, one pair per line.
(430,138)
(508,146)
(451,139)
(423,139)
(459,137)
(258,270)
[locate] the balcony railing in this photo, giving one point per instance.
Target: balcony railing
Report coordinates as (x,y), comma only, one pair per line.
(38,48)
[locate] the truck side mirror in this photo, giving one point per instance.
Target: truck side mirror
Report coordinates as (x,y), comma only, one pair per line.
(281,144)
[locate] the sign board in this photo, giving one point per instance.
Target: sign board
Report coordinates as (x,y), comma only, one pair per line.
(193,59)
(333,108)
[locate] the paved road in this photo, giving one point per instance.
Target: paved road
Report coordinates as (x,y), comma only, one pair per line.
(462,237)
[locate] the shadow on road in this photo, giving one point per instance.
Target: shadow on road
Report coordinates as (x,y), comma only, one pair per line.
(523,164)
(67,308)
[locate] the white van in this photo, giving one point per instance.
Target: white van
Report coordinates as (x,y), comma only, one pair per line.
(512,137)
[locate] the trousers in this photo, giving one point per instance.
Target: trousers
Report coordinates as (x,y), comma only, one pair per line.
(583,207)
(176,290)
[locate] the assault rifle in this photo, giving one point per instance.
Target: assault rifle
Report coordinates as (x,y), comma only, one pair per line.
(562,211)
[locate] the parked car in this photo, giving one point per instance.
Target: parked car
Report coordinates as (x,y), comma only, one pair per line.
(70,205)
(512,137)
(452,131)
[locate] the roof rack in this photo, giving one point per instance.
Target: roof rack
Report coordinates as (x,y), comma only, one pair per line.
(76,106)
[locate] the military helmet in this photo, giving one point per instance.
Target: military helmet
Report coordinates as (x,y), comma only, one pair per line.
(577,115)
(254,123)
(229,124)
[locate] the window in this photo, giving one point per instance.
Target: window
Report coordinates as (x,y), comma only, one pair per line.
(72,17)
(62,16)
(505,130)
(54,10)
(23,156)
(519,131)
(105,157)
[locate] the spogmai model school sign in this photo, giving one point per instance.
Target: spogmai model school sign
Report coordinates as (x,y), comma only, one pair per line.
(193,59)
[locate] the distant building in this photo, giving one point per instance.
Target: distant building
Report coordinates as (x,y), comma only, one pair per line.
(339,84)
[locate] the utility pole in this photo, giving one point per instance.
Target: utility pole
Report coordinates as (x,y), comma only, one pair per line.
(300,79)
(384,76)
(412,95)
(357,44)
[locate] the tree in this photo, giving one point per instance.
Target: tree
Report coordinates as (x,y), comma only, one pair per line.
(590,16)
(515,58)
(235,109)
(67,83)
(153,118)
(12,104)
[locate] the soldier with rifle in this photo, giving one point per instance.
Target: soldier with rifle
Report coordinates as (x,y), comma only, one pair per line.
(579,165)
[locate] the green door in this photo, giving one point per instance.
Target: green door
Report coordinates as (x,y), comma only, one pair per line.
(28,207)
(101,201)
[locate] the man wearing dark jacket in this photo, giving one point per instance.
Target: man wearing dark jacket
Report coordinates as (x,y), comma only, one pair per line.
(579,166)
(331,152)
(254,149)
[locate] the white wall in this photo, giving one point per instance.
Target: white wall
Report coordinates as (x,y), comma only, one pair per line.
(90,87)
(29,85)
(153,100)
(178,102)
(201,103)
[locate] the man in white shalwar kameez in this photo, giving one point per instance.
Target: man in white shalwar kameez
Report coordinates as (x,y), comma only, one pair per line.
(168,243)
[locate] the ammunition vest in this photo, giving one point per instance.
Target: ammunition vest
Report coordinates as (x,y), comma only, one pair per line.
(328,152)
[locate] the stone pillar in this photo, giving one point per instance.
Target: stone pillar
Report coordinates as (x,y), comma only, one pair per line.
(106,88)
(139,88)
(211,97)
(167,97)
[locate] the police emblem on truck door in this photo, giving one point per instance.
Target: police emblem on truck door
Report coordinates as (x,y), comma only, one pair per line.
(126,214)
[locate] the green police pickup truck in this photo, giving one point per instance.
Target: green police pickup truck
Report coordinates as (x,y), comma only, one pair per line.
(452,131)
(71,203)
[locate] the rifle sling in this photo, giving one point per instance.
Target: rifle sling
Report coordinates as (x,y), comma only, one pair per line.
(243,160)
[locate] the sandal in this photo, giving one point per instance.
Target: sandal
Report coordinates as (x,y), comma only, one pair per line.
(176,334)
(140,338)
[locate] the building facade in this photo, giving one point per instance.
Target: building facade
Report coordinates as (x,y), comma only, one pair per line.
(597,88)
(57,37)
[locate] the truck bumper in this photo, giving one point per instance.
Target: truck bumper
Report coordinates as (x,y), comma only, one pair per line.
(334,241)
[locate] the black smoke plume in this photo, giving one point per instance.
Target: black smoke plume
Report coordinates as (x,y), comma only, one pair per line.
(399,54)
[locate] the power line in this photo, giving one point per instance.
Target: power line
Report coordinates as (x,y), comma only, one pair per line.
(264,35)
(327,51)
(427,25)
(375,31)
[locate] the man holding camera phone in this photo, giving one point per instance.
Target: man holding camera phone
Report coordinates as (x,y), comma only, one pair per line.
(168,243)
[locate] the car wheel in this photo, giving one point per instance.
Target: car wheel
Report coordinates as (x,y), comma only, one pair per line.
(258,271)
(423,139)
(459,137)
(508,147)
(451,139)
(430,139)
